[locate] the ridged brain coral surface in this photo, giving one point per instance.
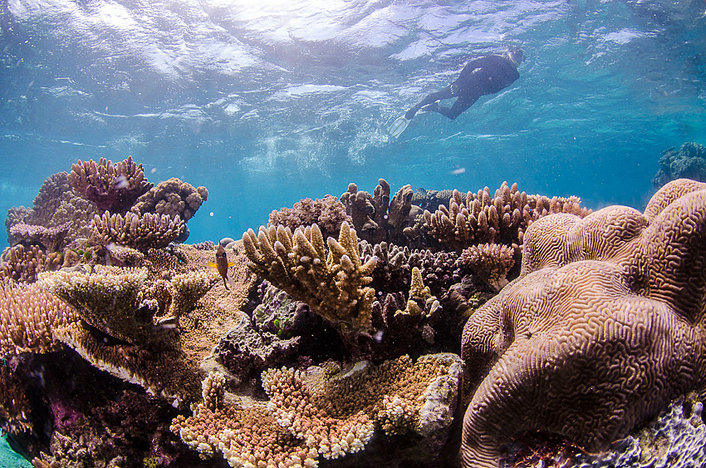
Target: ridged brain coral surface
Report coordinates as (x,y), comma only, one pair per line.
(601,330)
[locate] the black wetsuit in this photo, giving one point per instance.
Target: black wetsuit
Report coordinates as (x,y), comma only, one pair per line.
(486,75)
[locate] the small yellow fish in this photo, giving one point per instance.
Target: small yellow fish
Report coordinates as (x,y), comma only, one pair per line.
(222,264)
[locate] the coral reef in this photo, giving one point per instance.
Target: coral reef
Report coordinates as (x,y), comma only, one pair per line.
(689,161)
(171,198)
(503,218)
(341,356)
(491,262)
(139,232)
(327,213)
(112,187)
(376,217)
(52,239)
(601,330)
(29,319)
(332,283)
(326,411)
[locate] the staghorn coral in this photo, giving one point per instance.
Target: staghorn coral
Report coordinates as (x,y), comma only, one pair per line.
(172,198)
(490,261)
(601,330)
(112,187)
(139,232)
(109,299)
(29,318)
(478,218)
(332,284)
(327,213)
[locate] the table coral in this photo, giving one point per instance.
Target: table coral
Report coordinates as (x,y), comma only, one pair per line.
(52,239)
(108,298)
(332,283)
(141,232)
(601,330)
(113,187)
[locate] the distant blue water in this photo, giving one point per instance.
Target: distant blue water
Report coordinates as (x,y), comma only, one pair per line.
(266,103)
(10,459)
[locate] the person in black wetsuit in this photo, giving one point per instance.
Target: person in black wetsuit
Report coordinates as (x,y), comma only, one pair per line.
(486,75)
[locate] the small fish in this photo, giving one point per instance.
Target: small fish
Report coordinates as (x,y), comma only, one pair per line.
(222,264)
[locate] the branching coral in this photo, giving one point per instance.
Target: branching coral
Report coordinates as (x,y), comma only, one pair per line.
(478,218)
(172,198)
(327,213)
(113,187)
(602,329)
(140,232)
(332,284)
(376,217)
(22,264)
(490,261)
(29,317)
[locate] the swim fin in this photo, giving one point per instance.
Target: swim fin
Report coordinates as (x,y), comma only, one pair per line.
(398,126)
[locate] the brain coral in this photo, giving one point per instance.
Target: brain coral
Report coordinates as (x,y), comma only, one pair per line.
(601,330)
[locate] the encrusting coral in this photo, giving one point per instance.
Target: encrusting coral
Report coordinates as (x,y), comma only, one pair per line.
(138,231)
(113,187)
(602,329)
(332,283)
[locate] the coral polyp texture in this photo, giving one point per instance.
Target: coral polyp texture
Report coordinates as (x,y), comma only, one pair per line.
(327,213)
(601,330)
(112,187)
(29,318)
(332,283)
(138,231)
(479,218)
(172,198)
(327,411)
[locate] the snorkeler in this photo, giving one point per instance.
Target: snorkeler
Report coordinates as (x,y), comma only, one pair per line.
(486,75)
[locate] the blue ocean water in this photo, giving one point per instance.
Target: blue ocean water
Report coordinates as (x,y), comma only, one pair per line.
(268,102)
